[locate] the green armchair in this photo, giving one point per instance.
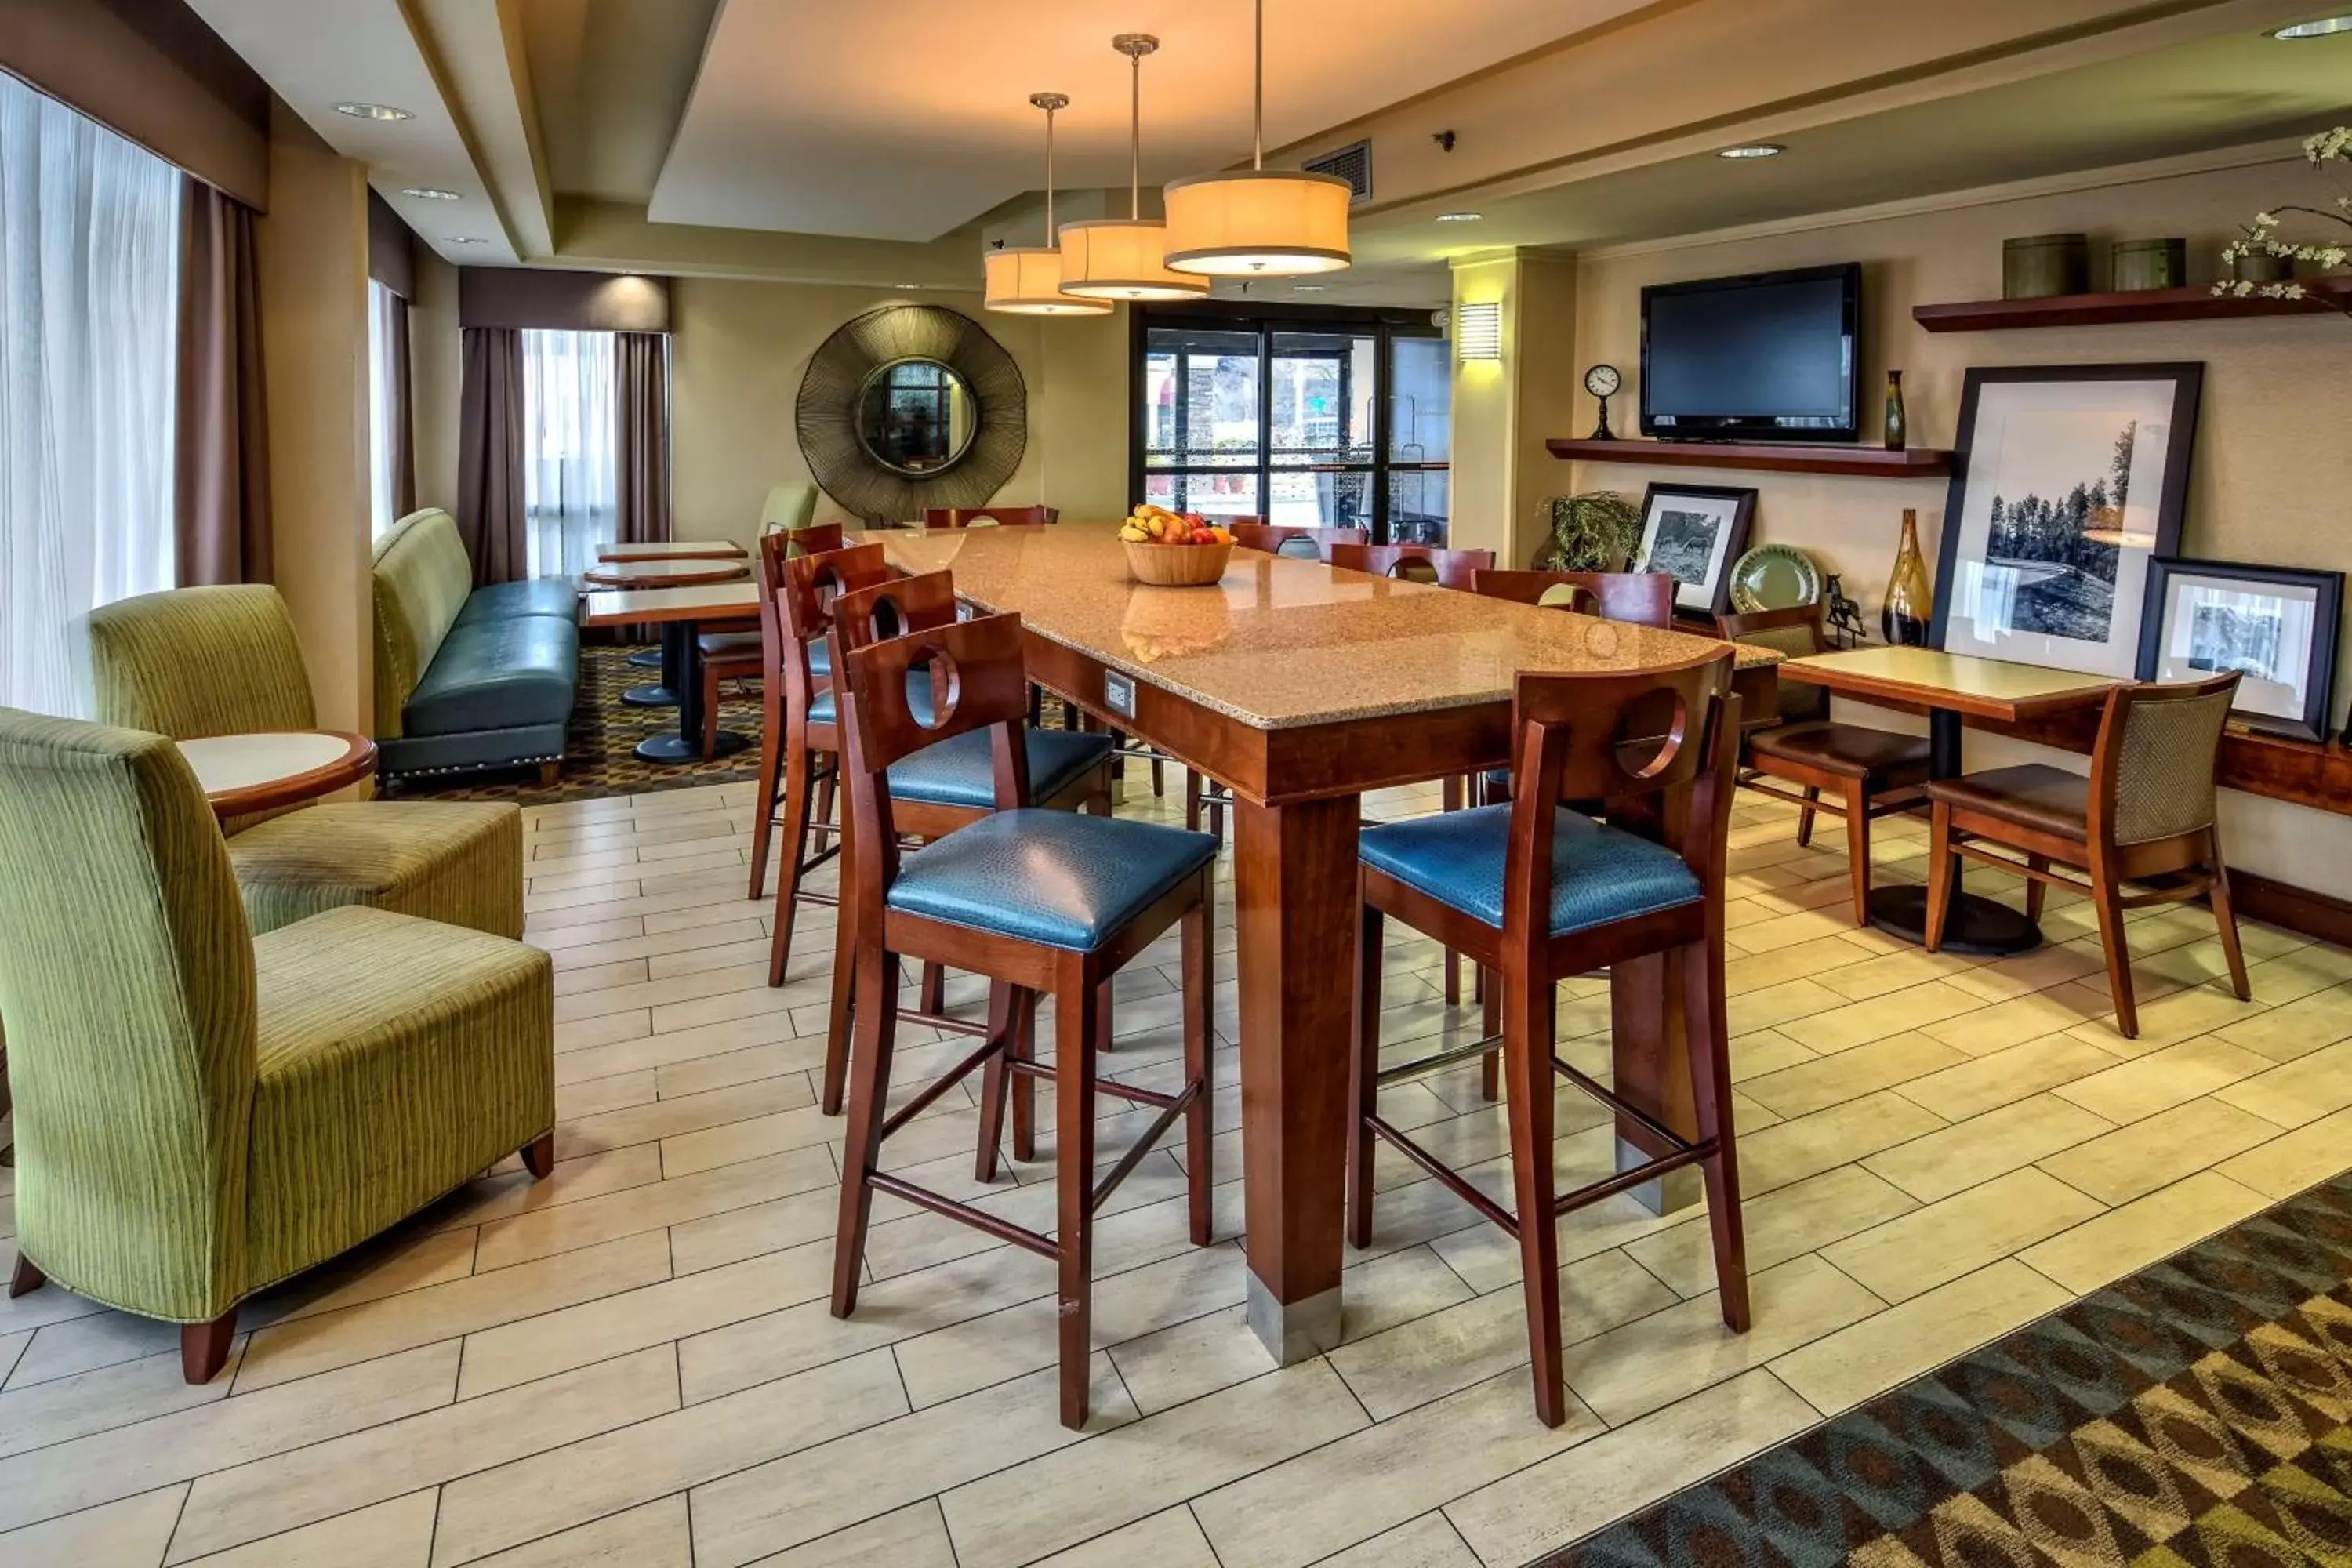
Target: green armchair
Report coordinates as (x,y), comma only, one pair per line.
(192,662)
(202,1113)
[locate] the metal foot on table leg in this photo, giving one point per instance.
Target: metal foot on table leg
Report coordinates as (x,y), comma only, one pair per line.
(1296,1333)
(1670,1193)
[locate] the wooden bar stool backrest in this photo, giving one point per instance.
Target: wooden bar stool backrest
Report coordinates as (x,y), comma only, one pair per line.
(1413,563)
(979,680)
(896,607)
(1796,633)
(1295,544)
(2152,767)
(805,587)
(1639,598)
(1005,516)
(1621,739)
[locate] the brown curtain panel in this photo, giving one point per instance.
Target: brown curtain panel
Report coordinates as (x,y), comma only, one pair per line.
(222,445)
(643,409)
(401,429)
(491,454)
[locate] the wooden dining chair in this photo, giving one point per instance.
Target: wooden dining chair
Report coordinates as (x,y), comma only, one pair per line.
(2145,816)
(1853,772)
(1042,902)
(1295,543)
(740,655)
(1536,891)
(984,516)
(1413,563)
(1642,598)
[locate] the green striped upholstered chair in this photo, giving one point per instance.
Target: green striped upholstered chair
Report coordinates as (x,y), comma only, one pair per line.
(202,1113)
(192,662)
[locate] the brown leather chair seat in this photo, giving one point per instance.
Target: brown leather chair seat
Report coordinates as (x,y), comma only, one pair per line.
(729,645)
(1888,760)
(2046,799)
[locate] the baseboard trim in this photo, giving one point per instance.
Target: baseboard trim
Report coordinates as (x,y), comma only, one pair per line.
(2321,916)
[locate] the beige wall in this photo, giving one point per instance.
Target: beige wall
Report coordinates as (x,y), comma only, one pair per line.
(433,378)
(2272,471)
(738,351)
(1504,409)
(312,247)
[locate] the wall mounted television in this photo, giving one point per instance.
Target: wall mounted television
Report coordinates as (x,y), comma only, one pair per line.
(1771,356)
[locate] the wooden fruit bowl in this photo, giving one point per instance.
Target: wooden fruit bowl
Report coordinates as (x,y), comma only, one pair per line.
(1177,565)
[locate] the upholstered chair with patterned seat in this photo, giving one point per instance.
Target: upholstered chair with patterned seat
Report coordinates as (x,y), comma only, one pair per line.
(193,662)
(201,1113)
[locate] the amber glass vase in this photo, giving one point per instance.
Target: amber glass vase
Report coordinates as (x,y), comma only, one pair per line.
(1910,601)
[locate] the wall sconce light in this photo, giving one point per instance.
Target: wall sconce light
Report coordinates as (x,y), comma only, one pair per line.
(1478,331)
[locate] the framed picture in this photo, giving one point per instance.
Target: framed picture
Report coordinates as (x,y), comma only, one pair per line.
(1694,533)
(2276,625)
(2067,481)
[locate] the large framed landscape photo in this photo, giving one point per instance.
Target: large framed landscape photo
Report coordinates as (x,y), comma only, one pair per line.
(2068,482)
(2275,625)
(1693,533)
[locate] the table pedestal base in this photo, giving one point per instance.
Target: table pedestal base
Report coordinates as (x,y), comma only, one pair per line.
(1978,927)
(678,749)
(650,697)
(646,659)
(1297,1332)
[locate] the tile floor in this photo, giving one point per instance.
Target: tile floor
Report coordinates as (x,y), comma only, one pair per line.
(632,1364)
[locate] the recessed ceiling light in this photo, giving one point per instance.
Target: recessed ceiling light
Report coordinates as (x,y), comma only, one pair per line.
(372,111)
(1310,288)
(430,194)
(906,285)
(1459,217)
(462,239)
(2318,29)
(1754,150)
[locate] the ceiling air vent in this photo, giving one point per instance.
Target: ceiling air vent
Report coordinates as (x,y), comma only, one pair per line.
(1353,164)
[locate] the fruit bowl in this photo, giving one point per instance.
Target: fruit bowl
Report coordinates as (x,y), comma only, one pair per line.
(1177,565)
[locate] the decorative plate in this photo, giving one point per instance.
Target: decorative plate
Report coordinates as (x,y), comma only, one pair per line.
(1774,577)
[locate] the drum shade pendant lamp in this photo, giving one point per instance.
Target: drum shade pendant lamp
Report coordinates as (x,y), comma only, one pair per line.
(1126,257)
(1259,221)
(1026,280)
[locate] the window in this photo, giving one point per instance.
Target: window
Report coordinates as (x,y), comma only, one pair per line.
(385,406)
(1343,421)
(572,484)
(89,246)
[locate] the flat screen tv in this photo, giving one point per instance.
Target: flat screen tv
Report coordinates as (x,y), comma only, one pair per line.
(1769,357)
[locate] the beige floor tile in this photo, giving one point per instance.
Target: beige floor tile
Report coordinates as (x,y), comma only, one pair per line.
(62,1408)
(1986,1146)
(563,1488)
(1808,1145)
(130,1533)
(788,1502)
(1776,1006)
(654,1536)
(106,1466)
(2004,1078)
(1630,1372)
(2182,1015)
(1780,1225)
(2134,1160)
(2285,1165)
(2302,1091)
(1763,1051)
(1891,972)
(1830,1080)
(1035,1509)
(2296,1029)
(1570,1495)
(1912,1254)
(2015,1020)
(288,1350)
(671,1119)
(912,1537)
(2144,1230)
(1841,1370)
(508,1192)
(2052,965)
(1430,1357)
(229,1508)
(678,1046)
(1171,1539)
(1428,1542)
(1858,1023)
(2164,1078)
(635,1209)
(397,1533)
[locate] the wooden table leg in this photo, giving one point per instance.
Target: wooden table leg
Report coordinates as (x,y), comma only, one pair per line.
(1652,1071)
(1294,892)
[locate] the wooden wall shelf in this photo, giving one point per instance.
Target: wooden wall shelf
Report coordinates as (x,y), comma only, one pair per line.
(2194,304)
(1789,458)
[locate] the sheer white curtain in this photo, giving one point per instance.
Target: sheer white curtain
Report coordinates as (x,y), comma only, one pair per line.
(383,404)
(89,248)
(572,484)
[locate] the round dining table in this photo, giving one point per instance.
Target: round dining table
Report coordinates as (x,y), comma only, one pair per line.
(244,774)
(676,648)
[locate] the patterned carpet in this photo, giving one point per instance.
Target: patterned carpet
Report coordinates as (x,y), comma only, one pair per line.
(2194,1414)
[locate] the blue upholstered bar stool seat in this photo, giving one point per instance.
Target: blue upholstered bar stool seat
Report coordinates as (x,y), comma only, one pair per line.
(1054,878)
(1599,873)
(961,772)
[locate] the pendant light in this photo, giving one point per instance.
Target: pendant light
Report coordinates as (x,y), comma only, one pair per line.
(1026,280)
(1259,221)
(1126,257)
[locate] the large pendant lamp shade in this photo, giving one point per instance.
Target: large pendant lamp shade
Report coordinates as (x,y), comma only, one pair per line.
(1259,221)
(1125,258)
(1026,280)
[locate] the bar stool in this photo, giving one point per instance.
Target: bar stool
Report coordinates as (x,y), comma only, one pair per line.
(742,656)
(989,516)
(1295,543)
(1041,902)
(1536,891)
(1413,563)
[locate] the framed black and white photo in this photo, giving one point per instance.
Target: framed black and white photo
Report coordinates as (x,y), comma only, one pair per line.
(1694,533)
(2067,481)
(2275,625)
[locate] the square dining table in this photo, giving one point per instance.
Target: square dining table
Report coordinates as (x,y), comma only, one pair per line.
(1303,687)
(1953,688)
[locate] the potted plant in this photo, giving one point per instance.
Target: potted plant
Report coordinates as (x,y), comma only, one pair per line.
(2260,240)
(1596,531)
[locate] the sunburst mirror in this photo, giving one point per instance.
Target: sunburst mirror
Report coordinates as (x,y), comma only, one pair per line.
(912,406)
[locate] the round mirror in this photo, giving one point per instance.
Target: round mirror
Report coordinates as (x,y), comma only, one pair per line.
(916,417)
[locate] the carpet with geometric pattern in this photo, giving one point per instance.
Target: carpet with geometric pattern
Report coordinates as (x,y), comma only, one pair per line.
(2194,1414)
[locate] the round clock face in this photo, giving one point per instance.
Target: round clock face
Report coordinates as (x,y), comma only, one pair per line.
(1602,381)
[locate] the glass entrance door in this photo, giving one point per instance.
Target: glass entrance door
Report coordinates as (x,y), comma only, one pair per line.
(1321,404)
(1201,413)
